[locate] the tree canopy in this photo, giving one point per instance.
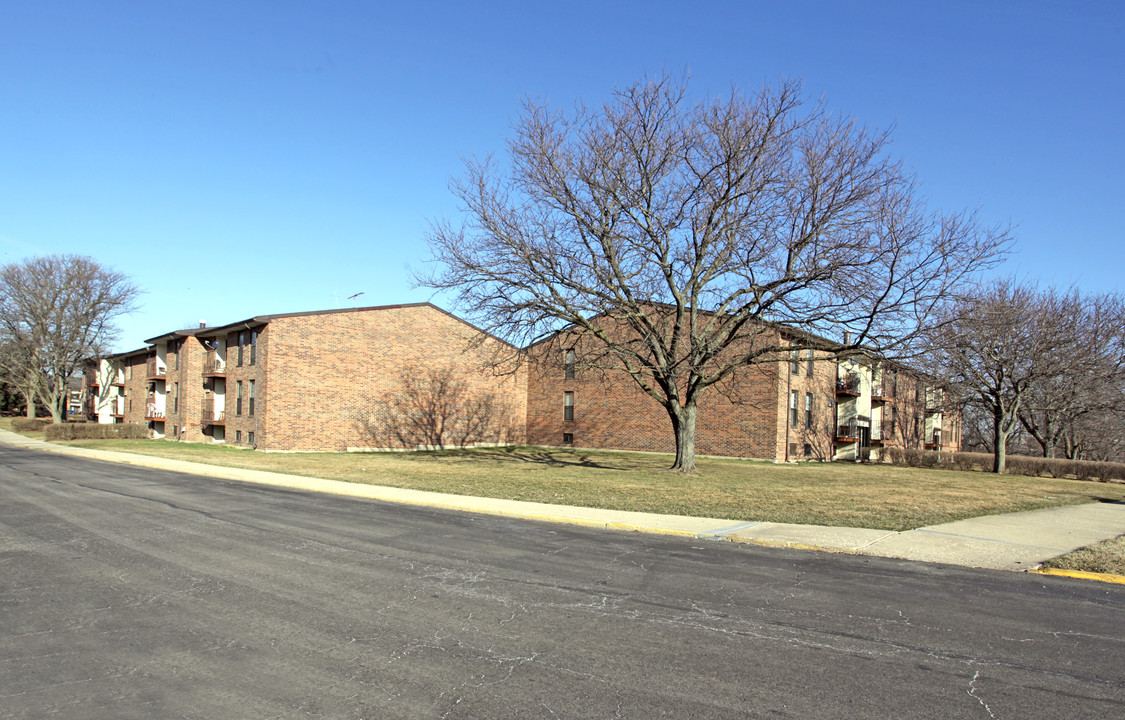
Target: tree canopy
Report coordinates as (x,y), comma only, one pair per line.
(56,311)
(679,235)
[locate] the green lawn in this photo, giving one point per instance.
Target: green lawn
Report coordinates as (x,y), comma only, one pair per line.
(870,496)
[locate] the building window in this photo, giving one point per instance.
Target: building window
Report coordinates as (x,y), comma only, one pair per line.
(176,431)
(795,362)
(568,438)
(808,410)
(568,364)
(253,346)
(809,362)
(173,349)
(175,397)
(238,399)
(250,437)
(241,346)
(238,436)
(808,450)
(250,395)
(568,406)
(793,408)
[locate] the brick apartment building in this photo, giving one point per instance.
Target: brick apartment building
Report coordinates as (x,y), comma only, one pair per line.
(294,381)
(303,381)
(809,406)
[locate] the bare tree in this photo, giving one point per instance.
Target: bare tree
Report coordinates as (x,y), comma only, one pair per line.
(54,312)
(999,347)
(1090,379)
(435,409)
(679,236)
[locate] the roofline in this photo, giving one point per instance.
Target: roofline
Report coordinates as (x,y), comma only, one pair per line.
(261,320)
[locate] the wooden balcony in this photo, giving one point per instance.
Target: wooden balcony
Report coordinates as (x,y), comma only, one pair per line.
(847,433)
(214,366)
(848,385)
(210,416)
(153,371)
(882,394)
(152,413)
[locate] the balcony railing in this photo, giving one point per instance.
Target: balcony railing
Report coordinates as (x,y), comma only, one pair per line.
(213,365)
(153,370)
(848,385)
(848,432)
(152,413)
(882,393)
(210,416)
(117,407)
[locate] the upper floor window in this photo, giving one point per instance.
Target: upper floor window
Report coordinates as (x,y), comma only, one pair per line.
(795,362)
(809,362)
(250,398)
(568,406)
(808,410)
(253,345)
(568,364)
(793,408)
(241,346)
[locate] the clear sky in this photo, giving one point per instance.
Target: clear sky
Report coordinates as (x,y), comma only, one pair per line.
(241,158)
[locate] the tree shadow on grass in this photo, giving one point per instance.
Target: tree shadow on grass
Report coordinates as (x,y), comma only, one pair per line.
(520,455)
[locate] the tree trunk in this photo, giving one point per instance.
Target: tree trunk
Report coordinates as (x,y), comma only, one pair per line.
(683,425)
(29,396)
(999,442)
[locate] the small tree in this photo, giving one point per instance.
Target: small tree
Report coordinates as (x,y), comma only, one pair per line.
(54,312)
(678,237)
(435,409)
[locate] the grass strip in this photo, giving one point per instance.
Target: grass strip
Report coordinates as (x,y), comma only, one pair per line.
(835,494)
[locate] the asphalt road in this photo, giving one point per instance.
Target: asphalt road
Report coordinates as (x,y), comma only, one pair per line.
(133,593)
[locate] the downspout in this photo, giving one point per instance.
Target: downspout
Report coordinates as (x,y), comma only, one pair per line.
(788,410)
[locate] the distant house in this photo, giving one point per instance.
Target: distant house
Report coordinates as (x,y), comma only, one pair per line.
(305,381)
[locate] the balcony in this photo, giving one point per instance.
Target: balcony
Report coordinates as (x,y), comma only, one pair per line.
(210,416)
(848,433)
(153,413)
(214,366)
(882,394)
(155,371)
(934,442)
(848,385)
(117,407)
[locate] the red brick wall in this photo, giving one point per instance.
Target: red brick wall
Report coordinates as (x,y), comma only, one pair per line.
(741,417)
(323,372)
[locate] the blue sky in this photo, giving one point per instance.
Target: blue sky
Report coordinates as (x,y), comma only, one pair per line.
(244,158)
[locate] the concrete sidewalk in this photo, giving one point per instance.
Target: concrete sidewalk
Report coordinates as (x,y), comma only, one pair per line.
(1015,541)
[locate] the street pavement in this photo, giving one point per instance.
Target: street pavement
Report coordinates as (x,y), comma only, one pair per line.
(1014,541)
(134,592)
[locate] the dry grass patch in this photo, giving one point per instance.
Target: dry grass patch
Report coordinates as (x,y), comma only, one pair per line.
(1103,557)
(871,496)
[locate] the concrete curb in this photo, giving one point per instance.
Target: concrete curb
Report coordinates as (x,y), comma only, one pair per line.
(1014,542)
(1082,575)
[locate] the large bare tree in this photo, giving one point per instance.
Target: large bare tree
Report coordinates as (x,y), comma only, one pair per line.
(679,235)
(1002,347)
(1089,383)
(56,311)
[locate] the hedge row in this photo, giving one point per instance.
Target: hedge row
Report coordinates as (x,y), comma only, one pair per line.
(1015,464)
(95,431)
(26,424)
